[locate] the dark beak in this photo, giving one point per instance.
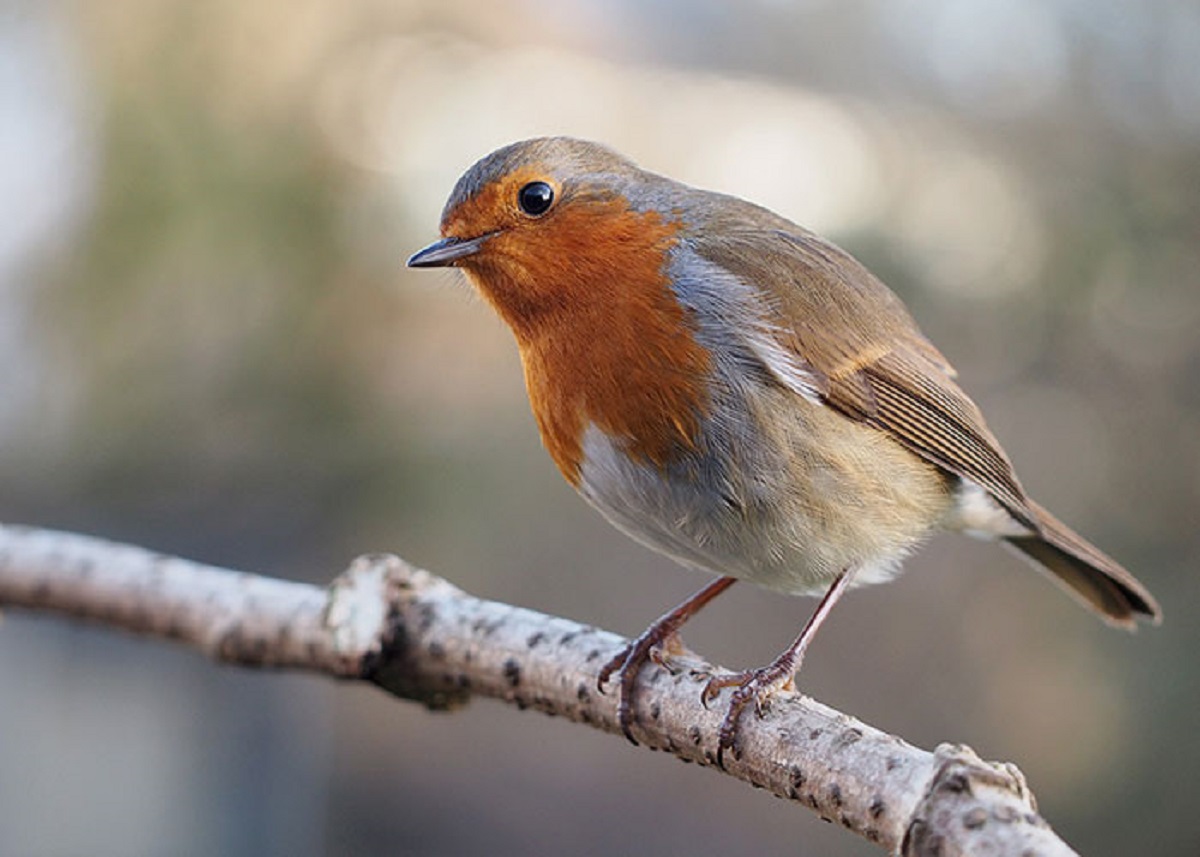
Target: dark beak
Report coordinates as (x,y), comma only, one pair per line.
(446,252)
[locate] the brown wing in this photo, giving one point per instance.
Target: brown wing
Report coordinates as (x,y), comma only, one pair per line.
(867,356)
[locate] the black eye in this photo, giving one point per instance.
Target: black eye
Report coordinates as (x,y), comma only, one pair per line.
(535,198)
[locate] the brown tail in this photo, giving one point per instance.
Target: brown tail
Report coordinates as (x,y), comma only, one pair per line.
(1092,577)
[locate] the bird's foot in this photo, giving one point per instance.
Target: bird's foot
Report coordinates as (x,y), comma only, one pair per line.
(657,643)
(756,686)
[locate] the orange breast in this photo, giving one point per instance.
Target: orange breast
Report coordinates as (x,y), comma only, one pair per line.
(603,338)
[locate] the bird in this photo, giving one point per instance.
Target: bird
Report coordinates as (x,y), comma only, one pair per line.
(740,394)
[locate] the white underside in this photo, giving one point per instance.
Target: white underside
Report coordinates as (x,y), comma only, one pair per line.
(975,513)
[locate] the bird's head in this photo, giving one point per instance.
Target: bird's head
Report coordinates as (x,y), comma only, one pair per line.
(553,224)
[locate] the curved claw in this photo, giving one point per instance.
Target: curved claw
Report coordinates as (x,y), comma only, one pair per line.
(717,683)
(753,685)
(621,665)
(615,663)
(626,664)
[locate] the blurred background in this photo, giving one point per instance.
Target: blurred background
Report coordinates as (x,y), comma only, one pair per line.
(210,347)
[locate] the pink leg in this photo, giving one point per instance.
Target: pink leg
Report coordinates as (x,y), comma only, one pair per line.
(758,685)
(628,662)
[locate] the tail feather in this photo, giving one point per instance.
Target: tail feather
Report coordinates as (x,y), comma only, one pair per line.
(1091,576)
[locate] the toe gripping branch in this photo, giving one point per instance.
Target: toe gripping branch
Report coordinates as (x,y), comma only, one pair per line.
(663,632)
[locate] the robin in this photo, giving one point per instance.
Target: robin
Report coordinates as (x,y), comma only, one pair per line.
(738,393)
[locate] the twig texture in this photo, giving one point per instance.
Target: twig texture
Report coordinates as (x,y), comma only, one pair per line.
(420,638)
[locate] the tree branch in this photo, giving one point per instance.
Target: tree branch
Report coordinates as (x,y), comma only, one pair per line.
(420,638)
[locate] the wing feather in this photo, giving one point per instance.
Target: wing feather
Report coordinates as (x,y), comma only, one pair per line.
(869,360)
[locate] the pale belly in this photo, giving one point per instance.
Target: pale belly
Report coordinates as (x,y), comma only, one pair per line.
(783,492)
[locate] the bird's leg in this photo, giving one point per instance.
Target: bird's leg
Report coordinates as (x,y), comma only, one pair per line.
(758,685)
(628,662)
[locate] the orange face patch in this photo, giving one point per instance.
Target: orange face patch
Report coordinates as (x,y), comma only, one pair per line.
(603,338)
(494,206)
